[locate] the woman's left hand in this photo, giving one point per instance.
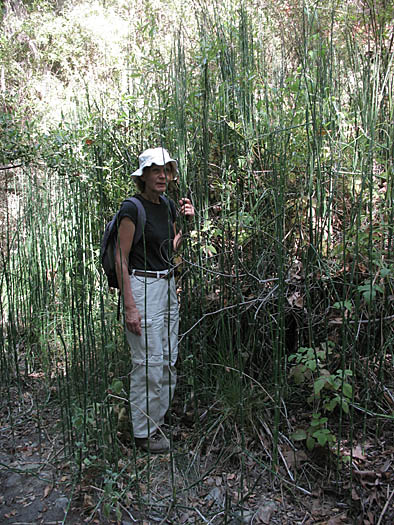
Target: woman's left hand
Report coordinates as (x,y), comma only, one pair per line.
(187,207)
(187,210)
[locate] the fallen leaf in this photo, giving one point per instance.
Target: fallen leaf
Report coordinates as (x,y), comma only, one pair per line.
(296,299)
(185,518)
(355,496)
(266,511)
(87,501)
(336,320)
(386,466)
(294,457)
(337,520)
(357,453)
(47,490)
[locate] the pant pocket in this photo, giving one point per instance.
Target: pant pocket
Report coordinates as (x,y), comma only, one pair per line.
(146,332)
(146,323)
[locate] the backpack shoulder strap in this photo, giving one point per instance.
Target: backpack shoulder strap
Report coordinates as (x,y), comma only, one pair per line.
(170,205)
(141,218)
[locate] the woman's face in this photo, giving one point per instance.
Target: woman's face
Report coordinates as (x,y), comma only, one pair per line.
(156,177)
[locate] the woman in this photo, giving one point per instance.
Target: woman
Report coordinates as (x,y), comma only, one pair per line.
(147,283)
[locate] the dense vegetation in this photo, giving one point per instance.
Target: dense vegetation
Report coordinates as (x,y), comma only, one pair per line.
(281,116)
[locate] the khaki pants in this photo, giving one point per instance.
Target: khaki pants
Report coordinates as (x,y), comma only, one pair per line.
(154,353)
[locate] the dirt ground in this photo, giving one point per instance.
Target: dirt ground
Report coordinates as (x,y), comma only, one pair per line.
(201,482)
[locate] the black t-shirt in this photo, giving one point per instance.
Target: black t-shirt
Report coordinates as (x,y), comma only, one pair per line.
(155,248)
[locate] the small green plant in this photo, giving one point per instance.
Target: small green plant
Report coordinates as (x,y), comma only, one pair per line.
(308,360)
(344,305)
(111,496)
(334,390)
(329,390)
(317,432)
(369,291)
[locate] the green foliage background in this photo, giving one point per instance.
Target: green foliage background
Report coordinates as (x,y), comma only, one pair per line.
(281,117)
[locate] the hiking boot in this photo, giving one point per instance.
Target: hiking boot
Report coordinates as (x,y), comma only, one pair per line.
(156,444)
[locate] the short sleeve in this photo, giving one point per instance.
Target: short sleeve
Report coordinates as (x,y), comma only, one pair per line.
(128,209)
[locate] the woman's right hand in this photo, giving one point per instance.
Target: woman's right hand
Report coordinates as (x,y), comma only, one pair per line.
(133,321)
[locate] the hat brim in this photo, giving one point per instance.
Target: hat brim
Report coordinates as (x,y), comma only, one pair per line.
(140,171)
(137,173)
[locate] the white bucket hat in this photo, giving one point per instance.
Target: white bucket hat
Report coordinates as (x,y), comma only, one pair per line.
(158,156)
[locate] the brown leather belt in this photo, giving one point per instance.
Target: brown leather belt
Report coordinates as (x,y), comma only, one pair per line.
(154,275)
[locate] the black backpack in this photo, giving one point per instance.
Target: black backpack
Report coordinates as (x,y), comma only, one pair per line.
(109,239)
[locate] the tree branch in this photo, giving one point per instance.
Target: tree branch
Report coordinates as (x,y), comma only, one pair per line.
(10,167)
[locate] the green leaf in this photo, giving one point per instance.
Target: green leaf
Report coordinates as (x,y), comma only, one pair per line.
(298,374)
(319,385)
(299,435)
(369,296)
(385,272)
(312,365)
(369,291)
(116,386)
(345,373)
(345,406)
(310,443)
(322,439)
(347,390)
(315,423)
(211,249)
(107,510)
(340,305)
(317,433)
(332,404)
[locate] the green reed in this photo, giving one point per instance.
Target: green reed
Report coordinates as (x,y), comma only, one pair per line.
(288,166)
